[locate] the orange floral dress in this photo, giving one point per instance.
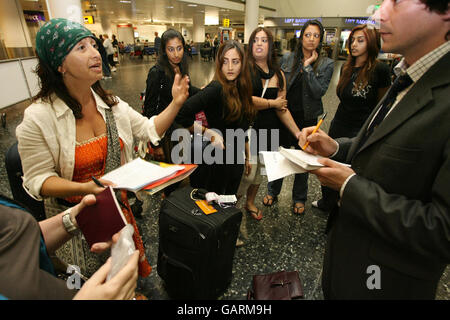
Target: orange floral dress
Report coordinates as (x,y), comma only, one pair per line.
(90,160)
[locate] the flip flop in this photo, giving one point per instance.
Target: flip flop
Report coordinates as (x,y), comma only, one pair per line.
(257,215)
(298,208)
(270,199)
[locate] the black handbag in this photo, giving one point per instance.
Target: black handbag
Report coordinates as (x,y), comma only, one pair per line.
(283,285)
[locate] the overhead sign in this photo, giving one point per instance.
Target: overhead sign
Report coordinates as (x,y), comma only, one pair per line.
(226,23)
(88,19)
(298,21)
(358,21)
(33,15)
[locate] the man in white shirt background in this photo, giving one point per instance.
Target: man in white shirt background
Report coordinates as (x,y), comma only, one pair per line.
(109,51)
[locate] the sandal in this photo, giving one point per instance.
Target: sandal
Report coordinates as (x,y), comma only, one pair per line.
(269,200)
(257,215)
(298,208)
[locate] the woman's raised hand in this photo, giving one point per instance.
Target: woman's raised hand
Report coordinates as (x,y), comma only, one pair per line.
(180,89)
(311,59)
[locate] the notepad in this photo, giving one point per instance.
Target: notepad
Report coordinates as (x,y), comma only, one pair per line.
(290,161)
(277,166)
(139,173)
(305,160)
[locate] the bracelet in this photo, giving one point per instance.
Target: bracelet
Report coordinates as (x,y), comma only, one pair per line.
(70,227)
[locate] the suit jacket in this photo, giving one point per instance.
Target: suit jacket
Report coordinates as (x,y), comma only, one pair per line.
(395,213)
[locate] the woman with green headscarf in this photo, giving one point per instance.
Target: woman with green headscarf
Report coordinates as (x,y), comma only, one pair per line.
(75,130)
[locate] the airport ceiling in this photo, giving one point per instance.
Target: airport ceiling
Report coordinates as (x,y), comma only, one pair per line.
(168,12)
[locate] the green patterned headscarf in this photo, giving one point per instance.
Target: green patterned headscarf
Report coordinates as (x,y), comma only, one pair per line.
(56,38)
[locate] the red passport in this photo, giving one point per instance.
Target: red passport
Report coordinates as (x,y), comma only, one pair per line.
(100,222)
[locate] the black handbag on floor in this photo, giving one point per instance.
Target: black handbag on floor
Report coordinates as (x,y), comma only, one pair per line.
(195,256)
(283,285)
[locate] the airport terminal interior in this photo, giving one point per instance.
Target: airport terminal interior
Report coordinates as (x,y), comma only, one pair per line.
(281,240)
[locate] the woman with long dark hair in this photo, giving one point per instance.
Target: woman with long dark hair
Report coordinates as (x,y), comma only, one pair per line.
(364,81)
(269,99)
(75,130)
(307,83)
(158,95)
(227,103)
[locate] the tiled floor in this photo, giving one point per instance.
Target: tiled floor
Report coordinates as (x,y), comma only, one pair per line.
(279,241)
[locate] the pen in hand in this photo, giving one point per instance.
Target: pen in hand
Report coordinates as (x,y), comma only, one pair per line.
(315,129)
(97,182)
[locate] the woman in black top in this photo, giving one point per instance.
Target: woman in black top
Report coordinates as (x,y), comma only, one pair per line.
(362,84)
(269,98)
(158,94)
(307,83)
(226,102)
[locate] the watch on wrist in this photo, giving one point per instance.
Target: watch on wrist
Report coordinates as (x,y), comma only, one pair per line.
(68,224)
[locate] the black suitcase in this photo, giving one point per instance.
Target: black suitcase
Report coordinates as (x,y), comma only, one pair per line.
(195,256)
(14,170)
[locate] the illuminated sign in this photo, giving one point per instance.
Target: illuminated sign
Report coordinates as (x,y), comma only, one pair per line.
(299,21)
(88,19)
(226,23)
(357,21)
(33,16)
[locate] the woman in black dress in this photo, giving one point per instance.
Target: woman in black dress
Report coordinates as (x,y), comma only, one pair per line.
(269,98)
(226,102)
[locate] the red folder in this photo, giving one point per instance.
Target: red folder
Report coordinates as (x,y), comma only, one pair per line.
(187,167)
(100,222)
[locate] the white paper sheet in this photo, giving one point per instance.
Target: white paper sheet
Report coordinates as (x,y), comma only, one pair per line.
(138,173)
(277,166)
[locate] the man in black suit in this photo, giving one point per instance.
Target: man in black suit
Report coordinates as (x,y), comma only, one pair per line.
(390,235)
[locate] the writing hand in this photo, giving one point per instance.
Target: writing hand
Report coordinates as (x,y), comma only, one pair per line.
(319,142)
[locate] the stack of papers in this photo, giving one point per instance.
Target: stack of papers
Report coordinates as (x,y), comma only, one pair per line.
(139,173)
(173,178)
(289,161)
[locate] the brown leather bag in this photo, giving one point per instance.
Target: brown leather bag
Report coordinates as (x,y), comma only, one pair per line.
(281,285)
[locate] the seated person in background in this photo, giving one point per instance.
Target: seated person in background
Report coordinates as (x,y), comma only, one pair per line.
(75,130)
(26,271)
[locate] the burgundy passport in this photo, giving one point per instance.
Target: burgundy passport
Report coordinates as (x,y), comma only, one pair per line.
(100,222)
